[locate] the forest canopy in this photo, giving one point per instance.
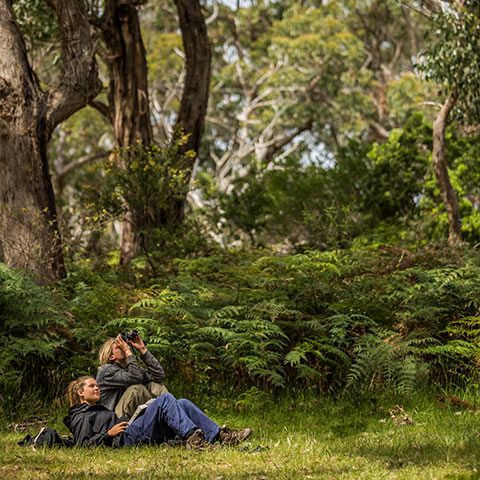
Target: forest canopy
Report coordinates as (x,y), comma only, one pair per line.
(291,125)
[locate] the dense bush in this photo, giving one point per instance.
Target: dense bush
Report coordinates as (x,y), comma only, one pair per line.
(375,317)
(378,317)
(373,192)
(48,336)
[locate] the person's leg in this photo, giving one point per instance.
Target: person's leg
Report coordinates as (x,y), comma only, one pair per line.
(156,389)
(133,396)
(209,427)
(163,419)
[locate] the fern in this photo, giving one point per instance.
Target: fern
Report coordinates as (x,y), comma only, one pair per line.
(379,317)
(384,358)
(30,333)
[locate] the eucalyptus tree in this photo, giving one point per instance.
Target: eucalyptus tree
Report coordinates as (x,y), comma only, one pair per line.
(386,89)
(128,102)
(453,60)
(29,112)
(273,72)
(300,80)
(306,77)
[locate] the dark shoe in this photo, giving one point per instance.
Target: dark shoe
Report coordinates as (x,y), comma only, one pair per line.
(175,442)
(197,442)
(233,437)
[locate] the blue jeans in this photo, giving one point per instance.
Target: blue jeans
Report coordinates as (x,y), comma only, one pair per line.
(167,417)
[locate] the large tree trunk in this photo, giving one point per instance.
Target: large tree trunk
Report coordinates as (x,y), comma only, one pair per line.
(29,231)
(439,161)
(129,106)
(128,98)
(193,107)
(29,235)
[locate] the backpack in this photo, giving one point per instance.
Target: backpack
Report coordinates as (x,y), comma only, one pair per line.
(48,437)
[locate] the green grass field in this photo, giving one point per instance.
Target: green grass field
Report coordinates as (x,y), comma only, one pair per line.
(309,439)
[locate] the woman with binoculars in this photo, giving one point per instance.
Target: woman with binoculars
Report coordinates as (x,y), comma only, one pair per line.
(104,411)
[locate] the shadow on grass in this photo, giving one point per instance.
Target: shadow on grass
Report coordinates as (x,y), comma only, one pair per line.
(422,453)
(348,429)
(463,476)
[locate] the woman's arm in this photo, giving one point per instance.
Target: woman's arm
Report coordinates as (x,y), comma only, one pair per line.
(112,375)
(154,372)
(94,425)
(96,440)
(84,434)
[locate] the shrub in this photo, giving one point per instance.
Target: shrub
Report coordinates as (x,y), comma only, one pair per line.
(255,321)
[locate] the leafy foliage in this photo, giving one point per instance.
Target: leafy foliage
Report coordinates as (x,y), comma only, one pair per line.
(144,178)
(321,320)
(365,318)
(32,332)
(397,175)
(37,20)
(387,358)
(453,57)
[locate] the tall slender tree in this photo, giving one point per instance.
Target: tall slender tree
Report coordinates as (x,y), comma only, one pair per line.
(128,106)
(193,106)
(453,60)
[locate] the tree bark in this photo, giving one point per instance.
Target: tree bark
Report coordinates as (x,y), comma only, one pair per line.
(439,161)
(193,107)
(29,234)
(128,98)
(129,109)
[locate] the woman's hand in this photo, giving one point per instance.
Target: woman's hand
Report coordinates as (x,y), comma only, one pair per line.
(137,342)
(118,429)
(122,344)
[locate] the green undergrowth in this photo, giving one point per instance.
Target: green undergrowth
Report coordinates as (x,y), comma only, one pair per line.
(257,322)
(420,436)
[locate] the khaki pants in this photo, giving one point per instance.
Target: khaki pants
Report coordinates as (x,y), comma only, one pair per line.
(135,395)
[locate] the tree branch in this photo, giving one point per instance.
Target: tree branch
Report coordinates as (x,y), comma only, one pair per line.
(79,82)
(103,108)
(15,69)
(380,129)
(61,172)
(278,142)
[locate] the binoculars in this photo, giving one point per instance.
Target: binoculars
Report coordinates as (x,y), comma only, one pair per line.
(129,336)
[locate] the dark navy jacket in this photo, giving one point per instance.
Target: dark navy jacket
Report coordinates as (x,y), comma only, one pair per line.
(89,425)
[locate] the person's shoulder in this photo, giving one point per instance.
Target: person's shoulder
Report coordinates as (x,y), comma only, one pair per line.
(105,369)
(108,366)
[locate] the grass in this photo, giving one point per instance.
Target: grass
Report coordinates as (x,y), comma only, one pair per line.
(315,438)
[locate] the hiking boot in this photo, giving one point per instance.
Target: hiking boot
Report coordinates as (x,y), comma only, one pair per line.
(233,437)
(196,442)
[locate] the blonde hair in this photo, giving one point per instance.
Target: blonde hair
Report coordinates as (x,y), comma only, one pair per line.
(106,351)
(75,387)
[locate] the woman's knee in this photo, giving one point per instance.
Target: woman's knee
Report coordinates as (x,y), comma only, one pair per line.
(137,390)
(132,397)
(184,402)
(156,389)
(165,398)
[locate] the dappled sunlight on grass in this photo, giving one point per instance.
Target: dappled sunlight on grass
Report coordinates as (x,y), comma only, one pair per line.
(320,439)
